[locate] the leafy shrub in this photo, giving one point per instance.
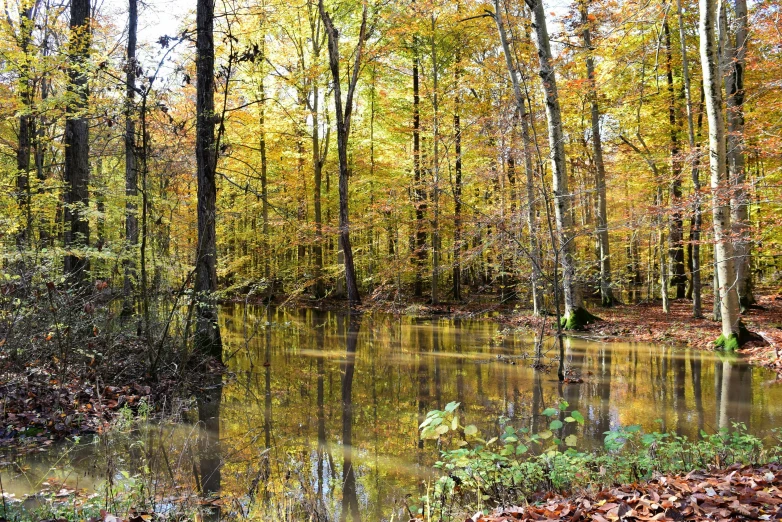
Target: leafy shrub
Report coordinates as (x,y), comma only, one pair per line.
(510,468)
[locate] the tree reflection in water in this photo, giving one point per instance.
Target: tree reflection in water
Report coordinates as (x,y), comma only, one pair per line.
(320,383)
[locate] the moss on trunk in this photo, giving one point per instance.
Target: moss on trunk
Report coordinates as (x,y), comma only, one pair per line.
(578,319)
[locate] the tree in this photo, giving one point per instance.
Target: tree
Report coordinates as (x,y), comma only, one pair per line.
(575,316)
(207,334)
(26,122)
(695,234)
(723,247)
(529,171)
(77,148)
(131,176)
(735,51)
(343,114)
(675,234)
(606,293)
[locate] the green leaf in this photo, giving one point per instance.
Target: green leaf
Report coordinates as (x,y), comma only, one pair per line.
(563,405)
(548,412)
(555,424)
(521,448)
(545,434)
(471,430)
(455,423)
(570,419)
(442,429)
(451,406)
(571,440)
(576,415)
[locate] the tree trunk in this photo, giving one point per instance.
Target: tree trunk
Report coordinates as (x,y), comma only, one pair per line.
(575,315)
(695,228)
(723,248)
(343,133)
(77,168)
(265,195)
(207,337)
(457,188)
(131,175)
(734,86)
(606,294)
(419,196)
(521,111)
(435,172)
(26,128)
(675,249)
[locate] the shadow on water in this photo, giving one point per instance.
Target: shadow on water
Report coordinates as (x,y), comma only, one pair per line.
(312,387)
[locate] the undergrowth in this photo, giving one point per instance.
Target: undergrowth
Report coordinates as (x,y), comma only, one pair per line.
(480,472)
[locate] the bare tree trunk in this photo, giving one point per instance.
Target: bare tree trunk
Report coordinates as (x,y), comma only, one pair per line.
(131,175)
(435,172)
(343,133)
(207,336)
(26,126)
(77,167)
(265,195)
(734,86)
(521,110)
(723,248)
(457,189)
(695,233)
(606,294)
(318,158)
(676,228)
(575,315)
(419,196)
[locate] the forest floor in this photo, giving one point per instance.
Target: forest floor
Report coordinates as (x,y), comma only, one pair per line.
(736,493)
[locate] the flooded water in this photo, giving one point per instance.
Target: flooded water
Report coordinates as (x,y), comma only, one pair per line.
(322,409)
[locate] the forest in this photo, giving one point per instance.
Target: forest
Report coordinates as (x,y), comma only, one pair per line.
(175,210)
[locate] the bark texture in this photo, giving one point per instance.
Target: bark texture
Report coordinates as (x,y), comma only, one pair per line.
(562,196)
(723,248)
(77,167)
(736,51)
(207,335)
(131,174)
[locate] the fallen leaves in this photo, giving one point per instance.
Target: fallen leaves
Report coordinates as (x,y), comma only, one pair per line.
(737,493)
(37,404)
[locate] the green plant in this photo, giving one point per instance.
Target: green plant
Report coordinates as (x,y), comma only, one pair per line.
(510,468)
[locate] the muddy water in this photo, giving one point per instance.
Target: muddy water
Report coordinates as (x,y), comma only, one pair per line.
(321,409)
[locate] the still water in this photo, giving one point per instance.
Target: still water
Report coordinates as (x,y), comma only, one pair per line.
(321,410)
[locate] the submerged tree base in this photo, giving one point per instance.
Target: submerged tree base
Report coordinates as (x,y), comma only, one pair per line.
(578,319)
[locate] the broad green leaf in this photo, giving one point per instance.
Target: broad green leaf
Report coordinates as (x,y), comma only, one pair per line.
(576,415)
(521,448)
(545,434)
(471,430)
(555,424)
(451,406)
(548,412)
(442,429)
(571,440)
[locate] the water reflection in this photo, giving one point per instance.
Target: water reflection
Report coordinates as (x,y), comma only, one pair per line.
(323,413)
